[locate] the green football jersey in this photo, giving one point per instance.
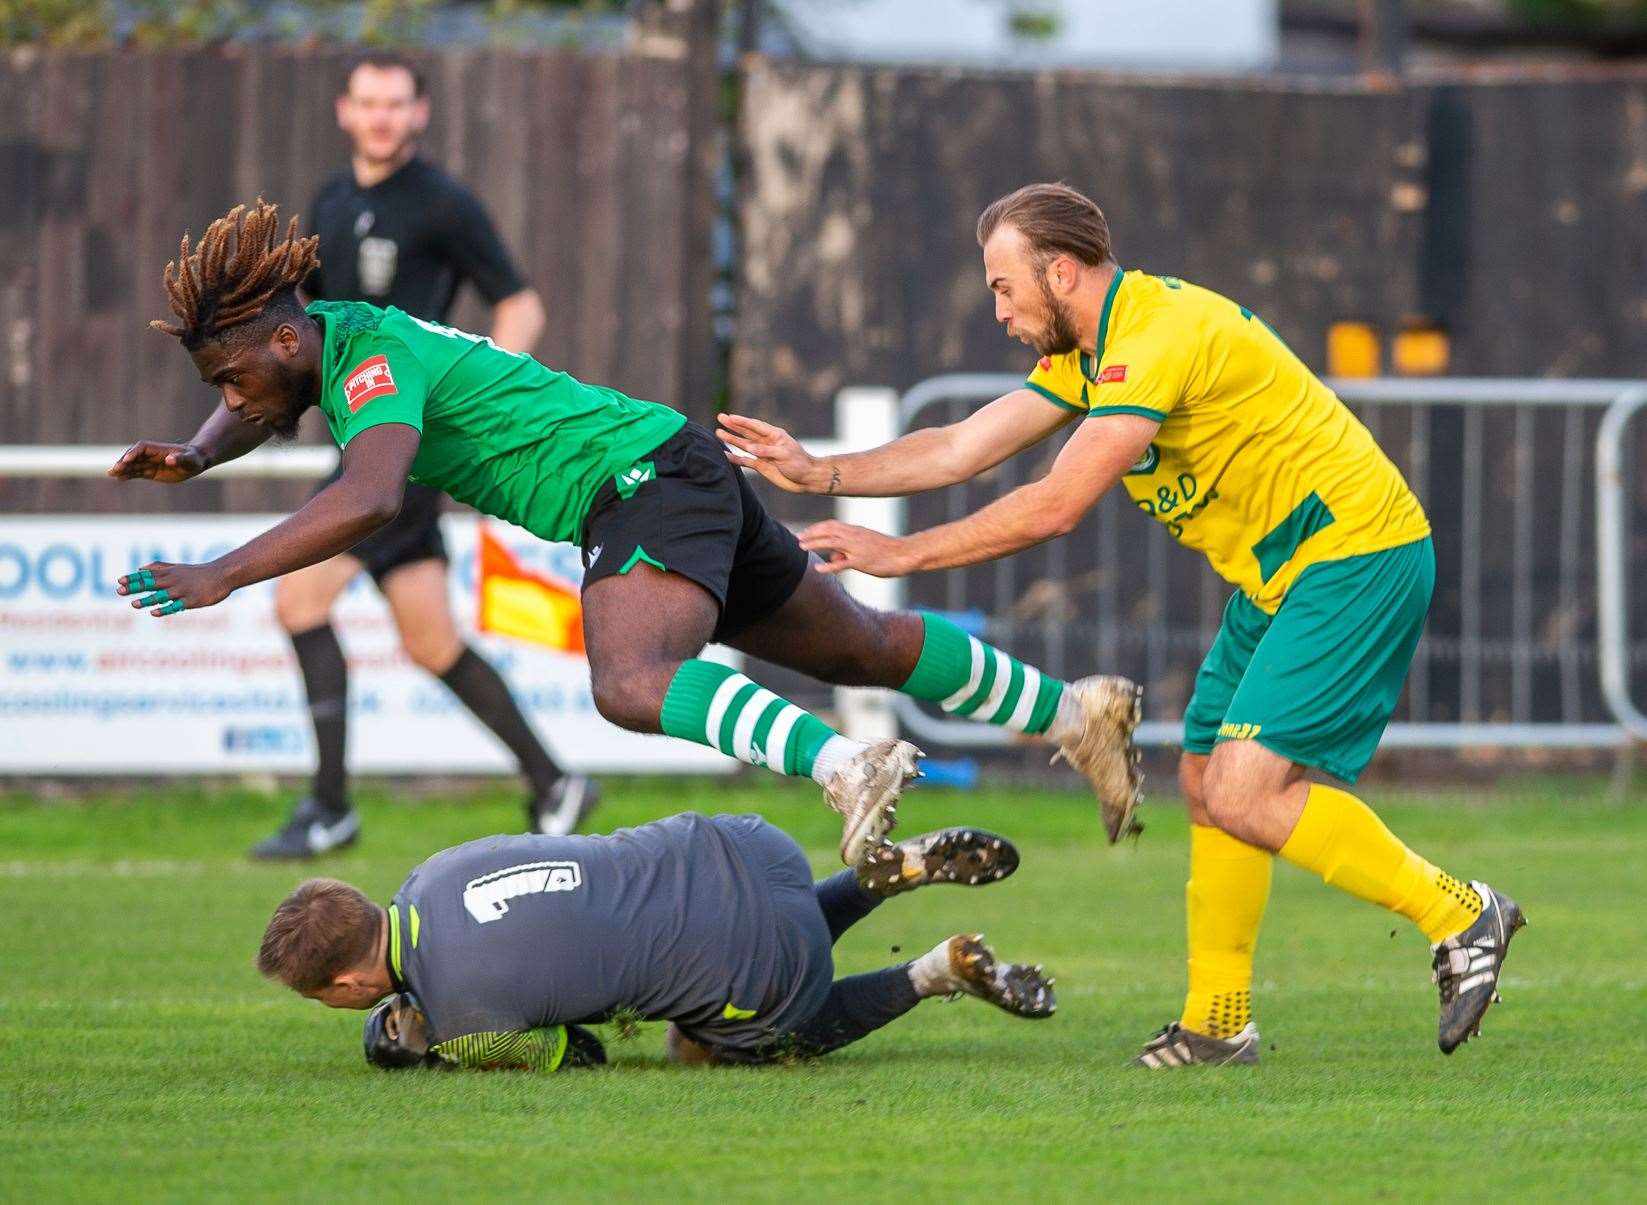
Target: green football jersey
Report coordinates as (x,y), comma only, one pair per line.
(501,432)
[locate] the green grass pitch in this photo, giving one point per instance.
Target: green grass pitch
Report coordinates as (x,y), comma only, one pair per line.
(142,1058)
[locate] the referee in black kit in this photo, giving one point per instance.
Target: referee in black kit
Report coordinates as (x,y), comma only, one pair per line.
(396,230)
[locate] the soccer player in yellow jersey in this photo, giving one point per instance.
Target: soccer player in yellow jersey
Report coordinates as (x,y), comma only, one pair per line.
(1222,435)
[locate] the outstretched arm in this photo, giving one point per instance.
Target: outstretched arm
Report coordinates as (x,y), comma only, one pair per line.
(221,437)
(224,437)
(922,460)
(1093,461)
(367,495)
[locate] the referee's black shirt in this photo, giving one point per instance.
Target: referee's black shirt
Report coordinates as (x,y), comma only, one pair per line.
(409,241)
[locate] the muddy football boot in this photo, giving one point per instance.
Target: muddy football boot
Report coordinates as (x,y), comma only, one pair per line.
(1023,991)
(865,792)
(968,856)
(1104,752)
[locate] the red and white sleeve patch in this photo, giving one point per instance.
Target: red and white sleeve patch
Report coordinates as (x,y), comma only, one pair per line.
(371,378)
(1115,373)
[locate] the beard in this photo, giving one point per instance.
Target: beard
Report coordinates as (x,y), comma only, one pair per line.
(298,391)
(1060,336)
(398,151)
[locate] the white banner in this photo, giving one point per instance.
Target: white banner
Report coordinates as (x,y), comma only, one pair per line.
(90,686)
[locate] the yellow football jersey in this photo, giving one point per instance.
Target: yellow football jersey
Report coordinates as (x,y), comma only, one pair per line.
(1257,464)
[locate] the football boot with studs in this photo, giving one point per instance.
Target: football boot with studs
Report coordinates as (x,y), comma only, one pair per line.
(970,857)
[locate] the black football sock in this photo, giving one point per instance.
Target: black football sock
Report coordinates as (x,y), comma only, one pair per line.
(483,691)
(855,1007)
(326,679)
(842,902)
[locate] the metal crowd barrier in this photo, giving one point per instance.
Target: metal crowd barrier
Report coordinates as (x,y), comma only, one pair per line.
(1503,430)
(869,420)
(1495,672)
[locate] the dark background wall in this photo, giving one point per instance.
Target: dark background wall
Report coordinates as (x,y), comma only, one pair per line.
(1513,212)
(863,187)
(585,160)
(1508,209)
(1509,212)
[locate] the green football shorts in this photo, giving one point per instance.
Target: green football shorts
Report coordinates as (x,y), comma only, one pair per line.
(1317,681)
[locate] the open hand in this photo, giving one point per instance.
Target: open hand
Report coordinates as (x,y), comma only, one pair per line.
(844,546)
(773,453)
(167,589)
(169,463)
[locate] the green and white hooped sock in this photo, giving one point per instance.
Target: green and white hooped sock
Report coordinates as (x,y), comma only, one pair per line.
(965,676)
(715,705)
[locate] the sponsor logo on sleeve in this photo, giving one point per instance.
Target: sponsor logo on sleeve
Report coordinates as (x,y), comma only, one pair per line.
(370,379)
(1115,373)
(1147,462)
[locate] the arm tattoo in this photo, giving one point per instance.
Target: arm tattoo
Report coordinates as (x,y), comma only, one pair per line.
(834,479)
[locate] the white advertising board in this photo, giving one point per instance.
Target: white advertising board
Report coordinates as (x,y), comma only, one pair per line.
(90,686)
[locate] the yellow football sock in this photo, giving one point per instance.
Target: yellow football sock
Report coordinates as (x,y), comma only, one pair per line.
(1340,838)
(1229,885)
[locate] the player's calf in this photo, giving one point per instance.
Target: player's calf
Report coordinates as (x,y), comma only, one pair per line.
(717,706)
(1090,720)
(631,694)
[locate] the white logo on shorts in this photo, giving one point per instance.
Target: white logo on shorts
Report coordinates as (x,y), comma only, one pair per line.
(487,898)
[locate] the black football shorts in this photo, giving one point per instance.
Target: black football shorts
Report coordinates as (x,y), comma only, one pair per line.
(684,509)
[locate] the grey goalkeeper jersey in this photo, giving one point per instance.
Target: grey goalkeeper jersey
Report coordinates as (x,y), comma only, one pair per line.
(670,919)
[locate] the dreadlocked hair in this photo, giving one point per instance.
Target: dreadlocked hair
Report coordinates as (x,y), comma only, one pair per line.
(238,269)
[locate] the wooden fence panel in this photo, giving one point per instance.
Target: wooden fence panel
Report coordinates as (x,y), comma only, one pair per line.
(105,159)
(863,186)
(1309,203)
(1511,211)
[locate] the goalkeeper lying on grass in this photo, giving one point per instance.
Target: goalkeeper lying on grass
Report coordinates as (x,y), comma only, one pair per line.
(496,950)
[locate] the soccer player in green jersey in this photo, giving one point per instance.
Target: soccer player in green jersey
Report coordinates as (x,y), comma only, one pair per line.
(677,550)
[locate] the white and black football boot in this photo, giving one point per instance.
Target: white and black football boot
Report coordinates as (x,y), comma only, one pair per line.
(311,830)
(562,809)
(1466,967)
(1175,1046)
